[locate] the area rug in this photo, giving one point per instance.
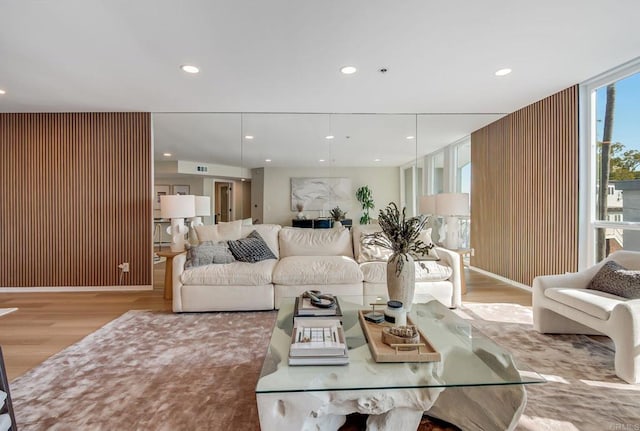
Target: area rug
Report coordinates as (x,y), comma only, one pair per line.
(164,371)
(582,392)
(4,311)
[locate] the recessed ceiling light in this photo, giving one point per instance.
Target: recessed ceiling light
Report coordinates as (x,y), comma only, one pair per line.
(411,137)
(249,137)
(243,179)
(329,137)
(321,160)
(348,70)
(377,160)
(503,72)
(267,160)
(167,154)
(189,68)
(2,91)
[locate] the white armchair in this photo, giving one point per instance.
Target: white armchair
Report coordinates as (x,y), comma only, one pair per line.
(563,305)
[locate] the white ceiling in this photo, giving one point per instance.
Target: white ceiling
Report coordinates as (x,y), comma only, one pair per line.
(283,56)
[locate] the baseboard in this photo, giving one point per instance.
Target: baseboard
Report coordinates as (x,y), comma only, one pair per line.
(40,289)
(502,279)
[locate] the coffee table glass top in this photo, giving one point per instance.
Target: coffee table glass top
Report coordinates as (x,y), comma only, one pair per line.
(469,358)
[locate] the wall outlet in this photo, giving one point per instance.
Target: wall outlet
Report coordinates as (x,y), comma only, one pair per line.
(124,266)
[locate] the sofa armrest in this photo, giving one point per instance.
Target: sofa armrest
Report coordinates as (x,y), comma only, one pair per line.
(452,259)
(570,280)
(629,313)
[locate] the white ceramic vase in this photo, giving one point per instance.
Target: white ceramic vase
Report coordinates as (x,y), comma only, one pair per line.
(401,286)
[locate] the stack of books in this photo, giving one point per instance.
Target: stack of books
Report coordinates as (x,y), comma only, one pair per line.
(318,342)
(304,308)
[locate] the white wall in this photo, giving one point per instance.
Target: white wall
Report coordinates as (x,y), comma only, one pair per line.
(383,182)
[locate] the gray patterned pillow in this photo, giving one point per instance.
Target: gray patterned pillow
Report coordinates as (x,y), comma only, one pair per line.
(208,252)
(617,280)
(251,249)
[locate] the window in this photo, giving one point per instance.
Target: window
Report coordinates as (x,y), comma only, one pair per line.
(438,173)
(463,167)
(610,163)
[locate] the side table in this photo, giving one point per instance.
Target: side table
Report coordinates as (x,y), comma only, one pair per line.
(168,271)
(462,252)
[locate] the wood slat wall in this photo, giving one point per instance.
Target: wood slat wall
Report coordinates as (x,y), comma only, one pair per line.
(75,193)
(524,190)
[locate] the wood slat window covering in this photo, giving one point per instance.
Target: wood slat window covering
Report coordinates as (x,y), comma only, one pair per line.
(524,190)
(75,191)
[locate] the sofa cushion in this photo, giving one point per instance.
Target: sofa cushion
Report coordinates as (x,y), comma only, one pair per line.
(372,253)
(425,237)
(207,253)
(315,242)
(593,302)
(251,249)
(268,232)
(426,271)
(307,270)
(231,274)
(430,270)
(220,232)
(364,251)
(359,231)
(617,280)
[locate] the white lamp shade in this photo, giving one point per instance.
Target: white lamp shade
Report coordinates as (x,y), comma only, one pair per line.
(428,205)
(452,204)
(203,206)
(177,206)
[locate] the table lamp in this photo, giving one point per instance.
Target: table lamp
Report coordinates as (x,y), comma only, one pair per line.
(203,209)
(428,207)
(176,208)
(452,206)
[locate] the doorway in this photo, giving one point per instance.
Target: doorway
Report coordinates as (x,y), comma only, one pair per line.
(224,196)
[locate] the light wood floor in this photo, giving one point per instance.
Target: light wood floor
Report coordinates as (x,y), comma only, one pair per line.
(46,323)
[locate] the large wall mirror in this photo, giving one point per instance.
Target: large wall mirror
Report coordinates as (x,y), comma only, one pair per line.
(246,161)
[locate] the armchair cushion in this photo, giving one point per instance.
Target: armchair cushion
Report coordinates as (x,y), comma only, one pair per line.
(615,279)
(594,303)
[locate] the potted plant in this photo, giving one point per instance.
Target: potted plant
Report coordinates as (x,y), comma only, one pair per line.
(365,197)
(337,214)
(400,235)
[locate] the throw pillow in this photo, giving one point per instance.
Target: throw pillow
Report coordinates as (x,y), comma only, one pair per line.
(425,237)
(207,253)
(615,279)
(372,253)
(251,249)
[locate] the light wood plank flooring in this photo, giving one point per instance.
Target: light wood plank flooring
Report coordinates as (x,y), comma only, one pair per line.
(46,323)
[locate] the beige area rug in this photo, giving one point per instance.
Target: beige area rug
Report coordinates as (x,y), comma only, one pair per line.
(582,392)
(162,371)
(4,311)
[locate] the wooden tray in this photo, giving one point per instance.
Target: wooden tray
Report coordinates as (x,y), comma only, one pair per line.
(382,352)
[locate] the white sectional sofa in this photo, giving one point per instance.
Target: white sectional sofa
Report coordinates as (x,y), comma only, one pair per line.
(321,259)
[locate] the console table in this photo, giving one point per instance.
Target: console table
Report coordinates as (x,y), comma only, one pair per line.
(319,223)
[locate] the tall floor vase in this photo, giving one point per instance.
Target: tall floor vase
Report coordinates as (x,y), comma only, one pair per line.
(401,286)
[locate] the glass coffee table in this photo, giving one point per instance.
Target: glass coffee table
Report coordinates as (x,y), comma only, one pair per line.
(477,385)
